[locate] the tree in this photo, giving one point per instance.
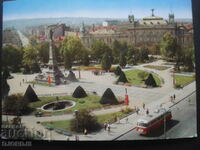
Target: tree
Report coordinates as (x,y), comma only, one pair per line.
(27,70)
(143,75)
(30,95)
(5,88)
(122,78)
(122,60)
(33,41)
(168,45)
(16,104)
(106,62)
(70,49)
(79,92)
(108,97)
(35,68)
(43,52)
(131,55)
(144,52)
(118,71)
(30,58)
(98,50)
(6,73)
(84,120)
(12,58)
(189,59)
(118,48)
(150,81)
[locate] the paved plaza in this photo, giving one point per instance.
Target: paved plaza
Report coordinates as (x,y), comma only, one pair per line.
(152,97)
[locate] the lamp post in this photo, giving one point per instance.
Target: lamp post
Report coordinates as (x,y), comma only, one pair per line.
(79,72)
(165,136)
(173,77)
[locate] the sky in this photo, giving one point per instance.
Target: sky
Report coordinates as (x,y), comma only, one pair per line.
(21,9)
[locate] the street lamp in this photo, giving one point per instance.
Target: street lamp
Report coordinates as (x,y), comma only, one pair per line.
(165,136)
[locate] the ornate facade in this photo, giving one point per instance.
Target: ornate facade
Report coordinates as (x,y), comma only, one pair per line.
(149,30)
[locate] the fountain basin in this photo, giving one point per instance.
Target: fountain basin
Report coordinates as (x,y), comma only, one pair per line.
(58,105)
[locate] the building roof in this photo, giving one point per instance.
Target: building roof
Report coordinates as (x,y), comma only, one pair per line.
(153,20)
(152,116)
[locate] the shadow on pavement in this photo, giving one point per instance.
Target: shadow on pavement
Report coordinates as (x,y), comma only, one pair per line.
(160,131)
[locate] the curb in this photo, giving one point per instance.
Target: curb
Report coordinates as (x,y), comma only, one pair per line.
(123,134)
(183,99)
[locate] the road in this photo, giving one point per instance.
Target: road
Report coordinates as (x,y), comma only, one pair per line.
(23,38)
(183,123)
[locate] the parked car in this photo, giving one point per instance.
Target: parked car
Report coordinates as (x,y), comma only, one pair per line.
(38,114)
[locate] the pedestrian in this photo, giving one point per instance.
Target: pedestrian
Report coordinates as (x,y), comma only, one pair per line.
(171,98)
(76,138)
(108,126)
(105,125)
(127,120)
(143,105)
(174,96)
(23,80)
(20,84)
(85,131)
(136,111)
(67,138)
(147,111)
(118,119)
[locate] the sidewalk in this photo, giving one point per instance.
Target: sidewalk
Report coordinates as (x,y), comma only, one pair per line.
(118,129)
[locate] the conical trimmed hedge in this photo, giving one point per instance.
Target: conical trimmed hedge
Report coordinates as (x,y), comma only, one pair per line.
(79,92)
(108,97)
(150,81)
(122,78)
(118,71)
(30,94)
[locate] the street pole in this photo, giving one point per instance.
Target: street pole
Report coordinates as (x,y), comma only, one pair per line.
(79,72)
(165,126)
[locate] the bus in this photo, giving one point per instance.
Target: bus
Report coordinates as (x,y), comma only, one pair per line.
(152,121)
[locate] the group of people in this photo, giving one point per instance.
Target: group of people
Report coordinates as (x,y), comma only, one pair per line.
(143,106)
(173,98)
(107,126)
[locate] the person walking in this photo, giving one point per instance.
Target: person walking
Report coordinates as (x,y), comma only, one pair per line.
(143,105)
(174,97)
(85,131)
(76,138)
(127,120)
(23,80)
(67,138)
(171,98)
(105,125)
(108,126)
(147,111)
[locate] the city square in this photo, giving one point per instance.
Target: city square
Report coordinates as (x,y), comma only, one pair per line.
(91,82)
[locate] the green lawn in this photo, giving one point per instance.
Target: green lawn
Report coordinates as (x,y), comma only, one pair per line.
(183,80)
(89,102)
(65,124)
(156,67)
(38,83)
(132,76)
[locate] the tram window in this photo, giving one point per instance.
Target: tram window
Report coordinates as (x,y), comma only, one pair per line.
(143,124)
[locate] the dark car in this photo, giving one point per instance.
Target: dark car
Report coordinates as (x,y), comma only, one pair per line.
(38,114)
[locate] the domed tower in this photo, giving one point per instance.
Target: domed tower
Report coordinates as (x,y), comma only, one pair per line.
(171,18)
(131,18)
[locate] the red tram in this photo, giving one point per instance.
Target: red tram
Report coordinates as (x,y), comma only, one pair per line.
(148,123)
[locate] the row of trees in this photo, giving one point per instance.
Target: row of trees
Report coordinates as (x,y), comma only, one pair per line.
(183,56)
(72,50)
